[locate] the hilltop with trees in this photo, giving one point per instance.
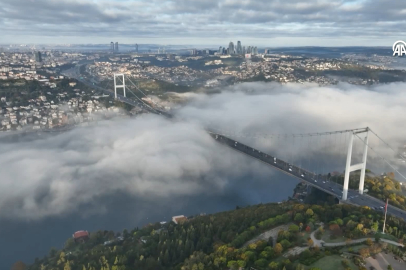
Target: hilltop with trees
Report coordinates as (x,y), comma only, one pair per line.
(217,241)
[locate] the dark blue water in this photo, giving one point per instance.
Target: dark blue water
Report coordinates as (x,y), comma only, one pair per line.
(26,240)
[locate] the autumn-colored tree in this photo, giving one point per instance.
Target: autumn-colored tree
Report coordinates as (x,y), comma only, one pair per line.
(364,252)
(310,242)
(309,212)
(308,229)
(19,266)
(278,249)
(369,242)
(333,227)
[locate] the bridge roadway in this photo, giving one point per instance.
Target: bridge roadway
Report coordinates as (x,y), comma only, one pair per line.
(312,179)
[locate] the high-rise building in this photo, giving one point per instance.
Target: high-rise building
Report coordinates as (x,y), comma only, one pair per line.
(231,48)
(116,47)
(136,48)
(255,51)
(220,49)
(249,50)
(112,46)
(239,48)
(38,57)
(243,50)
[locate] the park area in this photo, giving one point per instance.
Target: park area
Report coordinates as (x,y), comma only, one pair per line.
(333,262)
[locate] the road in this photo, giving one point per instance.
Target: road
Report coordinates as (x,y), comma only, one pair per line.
(312,179)
(320,243)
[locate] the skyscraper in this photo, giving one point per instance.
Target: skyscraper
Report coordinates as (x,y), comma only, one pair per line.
(136,48)
(243,50)
(38,57)
(116,47)
(239,48)
(231,48)
(220,49)
(112,46)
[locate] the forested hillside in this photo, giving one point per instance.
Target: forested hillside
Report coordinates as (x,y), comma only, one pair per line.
(215,241)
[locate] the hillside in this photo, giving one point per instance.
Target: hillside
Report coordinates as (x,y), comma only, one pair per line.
(381,187)
(215,241)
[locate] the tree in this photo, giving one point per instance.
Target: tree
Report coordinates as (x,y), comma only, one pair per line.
(298,217)
(369,242)
(278,249)
(233,265)
(390,267)
(309,212)
(261,263)
(364,252)
(19,266)
(241,263)
(273,265)
(70,243)
(293,228)
(310,242)
(285,244)
(377,238)
(67,266)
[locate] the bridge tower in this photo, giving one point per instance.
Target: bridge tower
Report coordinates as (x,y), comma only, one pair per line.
(120,85)
(361,166)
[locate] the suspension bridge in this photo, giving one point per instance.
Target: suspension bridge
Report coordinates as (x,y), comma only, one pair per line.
(315,177)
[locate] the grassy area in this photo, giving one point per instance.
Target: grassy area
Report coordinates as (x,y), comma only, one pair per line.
(326,238)
(332,263)
(387,236)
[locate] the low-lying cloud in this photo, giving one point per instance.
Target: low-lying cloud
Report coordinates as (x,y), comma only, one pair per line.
(150,157)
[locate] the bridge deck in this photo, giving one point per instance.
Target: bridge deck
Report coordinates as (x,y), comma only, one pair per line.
(314,180)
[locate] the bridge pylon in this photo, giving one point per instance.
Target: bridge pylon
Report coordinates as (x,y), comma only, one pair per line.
(361,166)
(119,85)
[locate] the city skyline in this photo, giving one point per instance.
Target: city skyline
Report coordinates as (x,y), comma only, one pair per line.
(264,23)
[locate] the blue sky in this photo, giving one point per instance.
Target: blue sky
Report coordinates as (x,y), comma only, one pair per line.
(205,22)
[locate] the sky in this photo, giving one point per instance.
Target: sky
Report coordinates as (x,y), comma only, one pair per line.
(270,23)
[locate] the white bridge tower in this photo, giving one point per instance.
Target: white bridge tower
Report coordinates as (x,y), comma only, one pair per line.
(120,85)
(361,166)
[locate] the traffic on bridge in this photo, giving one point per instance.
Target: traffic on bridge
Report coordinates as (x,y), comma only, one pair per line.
(317,181)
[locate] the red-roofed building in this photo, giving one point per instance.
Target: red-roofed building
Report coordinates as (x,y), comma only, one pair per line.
(81,236)
(179,219)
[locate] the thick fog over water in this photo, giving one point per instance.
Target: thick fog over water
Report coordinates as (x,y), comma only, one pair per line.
(125,173)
